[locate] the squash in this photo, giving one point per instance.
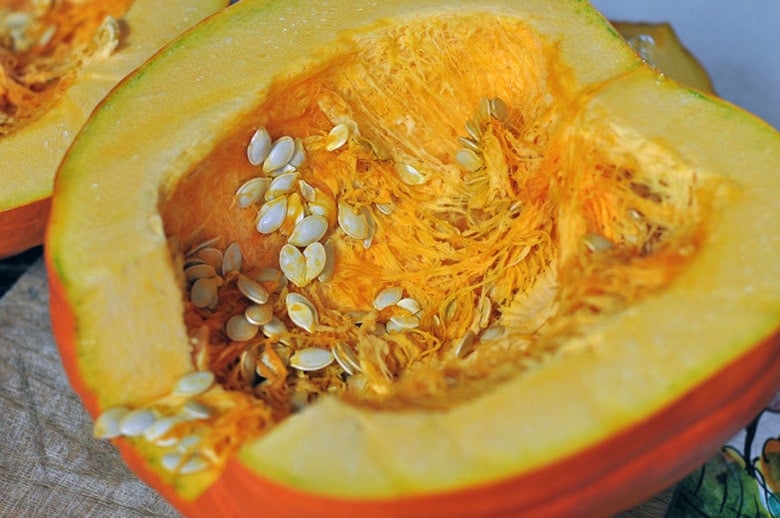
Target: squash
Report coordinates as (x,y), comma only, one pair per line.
(59,59)
(426,258)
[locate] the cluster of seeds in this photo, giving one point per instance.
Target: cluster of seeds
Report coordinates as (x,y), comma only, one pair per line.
(176,422)
(470,156)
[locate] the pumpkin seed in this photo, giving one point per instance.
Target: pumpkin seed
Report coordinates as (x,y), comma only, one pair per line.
(337,137)
(387,297)
(410,175)
(239,329)
(171,461)
(596,242)
(252,191)
(385,208)
(469,160)
(329,266)
(282,150)
(470,144)
(196,410)
(316,257)
(107,423)
(353,223)
(203,293)
(231,262)
(205,244)
(188,443)
(399,323)
(410,305)
(212,256)
(248,363)
(301,311)
(493,332)
(199,271)
(161,427)
(370,229)
(259,147)
(311,359)
(499,110)
(345,357)
(465,345)
(194,383)
(281,185)
(308,192)
(135,422)
(308,230)
(259,314)
(252,289)
(474,130)
(293,264)
(274,328)
(272,214)
(299,155)
(194,464)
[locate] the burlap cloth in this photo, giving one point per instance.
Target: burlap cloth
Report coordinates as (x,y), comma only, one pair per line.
(49,463)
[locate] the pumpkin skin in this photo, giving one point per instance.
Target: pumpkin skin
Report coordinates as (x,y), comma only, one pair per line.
(32,152)
(643,407)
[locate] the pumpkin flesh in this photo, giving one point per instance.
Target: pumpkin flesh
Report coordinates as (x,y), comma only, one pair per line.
(58,60)
(600,336)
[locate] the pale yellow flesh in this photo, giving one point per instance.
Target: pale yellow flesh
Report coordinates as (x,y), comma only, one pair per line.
(30,156)
(635,366)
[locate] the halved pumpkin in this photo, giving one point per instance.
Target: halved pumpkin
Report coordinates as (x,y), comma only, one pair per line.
(58,60)
(548,272)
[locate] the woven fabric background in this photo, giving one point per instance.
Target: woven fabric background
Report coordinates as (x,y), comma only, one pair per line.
(49,463)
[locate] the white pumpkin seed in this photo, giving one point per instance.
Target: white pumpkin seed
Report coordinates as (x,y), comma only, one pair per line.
(252,289)
(311,359)
(194,383)
(402,322)
(301,311)
(293,264)
(385,208)
(329,266)
(272,214)
(161,427)
(196,410)
(345,357)
(474,131)
(188,443)
(465,345)
(337,137)
(493,332)
(171,461)
(200,246)
(410,175)
(135,422)
(252,191)
(212,256)
(470,144)
(499,109)
(316,257)
(274,328)
(259,146)
(282,150)
(281,185)
(596,242)
(239,329)
(370,229)
(469,160)
(107,423)
(199,271)
(232,259)
(387,297)
(308,230)
(353,223)
(259,314)
(410,305)
(308,192)
(299,155)
(204,292)
(248,362)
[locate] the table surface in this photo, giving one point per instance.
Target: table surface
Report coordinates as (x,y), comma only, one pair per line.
(51,466)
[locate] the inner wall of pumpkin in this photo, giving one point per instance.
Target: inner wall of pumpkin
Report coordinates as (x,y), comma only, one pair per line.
(503,225)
